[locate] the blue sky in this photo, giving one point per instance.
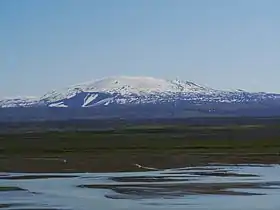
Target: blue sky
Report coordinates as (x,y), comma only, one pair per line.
(224,44)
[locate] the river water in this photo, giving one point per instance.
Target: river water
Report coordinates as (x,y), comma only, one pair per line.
(214,187)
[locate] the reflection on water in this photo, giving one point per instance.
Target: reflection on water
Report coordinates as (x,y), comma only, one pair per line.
(212,187)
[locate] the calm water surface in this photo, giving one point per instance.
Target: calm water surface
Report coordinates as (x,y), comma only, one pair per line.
(213,187)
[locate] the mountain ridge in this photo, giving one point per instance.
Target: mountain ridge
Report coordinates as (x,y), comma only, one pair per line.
(139,91)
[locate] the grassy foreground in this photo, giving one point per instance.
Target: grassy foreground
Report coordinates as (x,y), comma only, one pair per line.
(160,146)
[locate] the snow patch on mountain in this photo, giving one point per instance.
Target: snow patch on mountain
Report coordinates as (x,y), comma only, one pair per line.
(59,105)
(25,101)
(104,102)
(89,99)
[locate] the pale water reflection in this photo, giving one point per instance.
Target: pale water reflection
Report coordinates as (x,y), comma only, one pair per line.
(216,187)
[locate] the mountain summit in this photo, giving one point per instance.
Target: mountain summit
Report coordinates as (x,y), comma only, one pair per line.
(126,84)
(137,85)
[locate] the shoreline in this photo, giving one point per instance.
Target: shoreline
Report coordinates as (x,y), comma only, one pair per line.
(130,163)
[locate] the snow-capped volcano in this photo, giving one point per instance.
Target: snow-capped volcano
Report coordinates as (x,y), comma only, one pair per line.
(125,85)
(122,90)
(125,90)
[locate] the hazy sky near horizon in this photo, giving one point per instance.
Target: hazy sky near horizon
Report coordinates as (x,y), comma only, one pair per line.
(223,44)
